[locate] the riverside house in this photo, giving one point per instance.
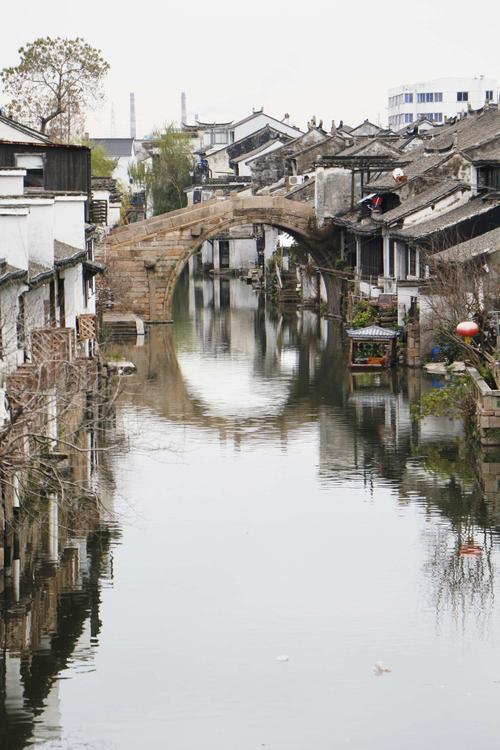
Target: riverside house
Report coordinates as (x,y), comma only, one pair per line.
(47,290)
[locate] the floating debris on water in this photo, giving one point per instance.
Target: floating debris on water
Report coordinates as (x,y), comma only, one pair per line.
(380,669)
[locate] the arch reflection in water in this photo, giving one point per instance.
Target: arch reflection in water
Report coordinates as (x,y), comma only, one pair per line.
(249,374)
(304,513)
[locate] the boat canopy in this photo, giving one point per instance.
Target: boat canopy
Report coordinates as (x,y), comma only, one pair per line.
(372,333)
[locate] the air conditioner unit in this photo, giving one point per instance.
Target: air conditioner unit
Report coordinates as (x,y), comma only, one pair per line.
(296,179)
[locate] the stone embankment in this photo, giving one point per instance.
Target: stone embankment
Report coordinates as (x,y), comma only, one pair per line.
(488,409)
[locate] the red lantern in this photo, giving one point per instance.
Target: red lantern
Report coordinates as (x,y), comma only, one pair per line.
(467,329)
(471,549)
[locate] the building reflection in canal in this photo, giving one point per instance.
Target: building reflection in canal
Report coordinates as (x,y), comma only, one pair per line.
(57,557)
(268,373)
(246,377)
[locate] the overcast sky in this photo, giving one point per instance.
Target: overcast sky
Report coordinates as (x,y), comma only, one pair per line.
(334,60)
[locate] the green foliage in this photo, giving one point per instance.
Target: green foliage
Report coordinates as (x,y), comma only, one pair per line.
(371,350)
(323,308)
(364,315)
(492,433)
(487,376)
(168,173)
(455,400)
(125,207)
(446,460)
(272,288)
(298,253)
(55,80)
(101,164)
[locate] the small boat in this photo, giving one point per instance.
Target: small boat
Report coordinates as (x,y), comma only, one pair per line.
(372,348)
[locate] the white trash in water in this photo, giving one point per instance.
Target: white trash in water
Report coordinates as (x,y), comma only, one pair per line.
(380,668)
(283,657)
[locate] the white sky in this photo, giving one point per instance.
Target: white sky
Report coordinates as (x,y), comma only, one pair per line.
(334,60)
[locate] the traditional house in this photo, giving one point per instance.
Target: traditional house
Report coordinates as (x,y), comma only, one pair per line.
(441,194)
(268,168)
(223,168)
(46,264)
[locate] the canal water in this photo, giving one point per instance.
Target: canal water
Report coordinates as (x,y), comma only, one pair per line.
(283,560)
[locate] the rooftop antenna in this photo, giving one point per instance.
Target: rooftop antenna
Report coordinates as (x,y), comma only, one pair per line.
(183,109)
(133,131)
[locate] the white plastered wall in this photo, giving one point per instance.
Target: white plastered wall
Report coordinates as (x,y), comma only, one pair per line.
(69,220)
(12,181)
(73,294)
(243,253)
(14,236)
(34,308)
(9,309)
(41,231)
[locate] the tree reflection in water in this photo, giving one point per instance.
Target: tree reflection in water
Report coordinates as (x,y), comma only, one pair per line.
(365,437)
(460,568)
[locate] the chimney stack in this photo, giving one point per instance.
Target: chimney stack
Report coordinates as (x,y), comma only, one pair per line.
(183,109)
(133,132)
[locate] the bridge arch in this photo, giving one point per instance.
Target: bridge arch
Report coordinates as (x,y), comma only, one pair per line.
(146,259)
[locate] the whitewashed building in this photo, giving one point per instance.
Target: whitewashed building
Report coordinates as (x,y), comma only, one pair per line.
(46,255)
(227,150)
(438,99)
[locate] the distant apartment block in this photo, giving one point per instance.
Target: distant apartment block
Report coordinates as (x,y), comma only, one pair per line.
(438,99)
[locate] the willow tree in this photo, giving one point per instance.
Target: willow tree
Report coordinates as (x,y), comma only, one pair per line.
(55,81)
(167,172)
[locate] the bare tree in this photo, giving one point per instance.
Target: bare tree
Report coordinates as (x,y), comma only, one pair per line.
(56,406)
(55,80)
(459,290)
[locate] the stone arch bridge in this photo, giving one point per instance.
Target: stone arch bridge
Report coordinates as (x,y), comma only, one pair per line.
(145,259)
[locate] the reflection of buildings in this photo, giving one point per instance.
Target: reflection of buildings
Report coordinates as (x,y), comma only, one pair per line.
(228,365)
(231,368)
(56,553)
(223,349)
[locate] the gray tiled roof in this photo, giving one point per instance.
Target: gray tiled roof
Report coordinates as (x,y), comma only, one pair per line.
(367,125)
(350,220)
(115,147)
(378,146)
(489,242)
(473,208)
(270,117)
(38,271)
(469,131)
(419,162)
(9,273)
(65,254)
(438,190)
(486,152)
(103,183)
(372,333)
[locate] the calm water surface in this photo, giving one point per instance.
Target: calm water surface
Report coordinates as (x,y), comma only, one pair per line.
(280,527)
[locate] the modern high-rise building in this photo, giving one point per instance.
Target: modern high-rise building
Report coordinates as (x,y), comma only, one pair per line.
(438,99)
